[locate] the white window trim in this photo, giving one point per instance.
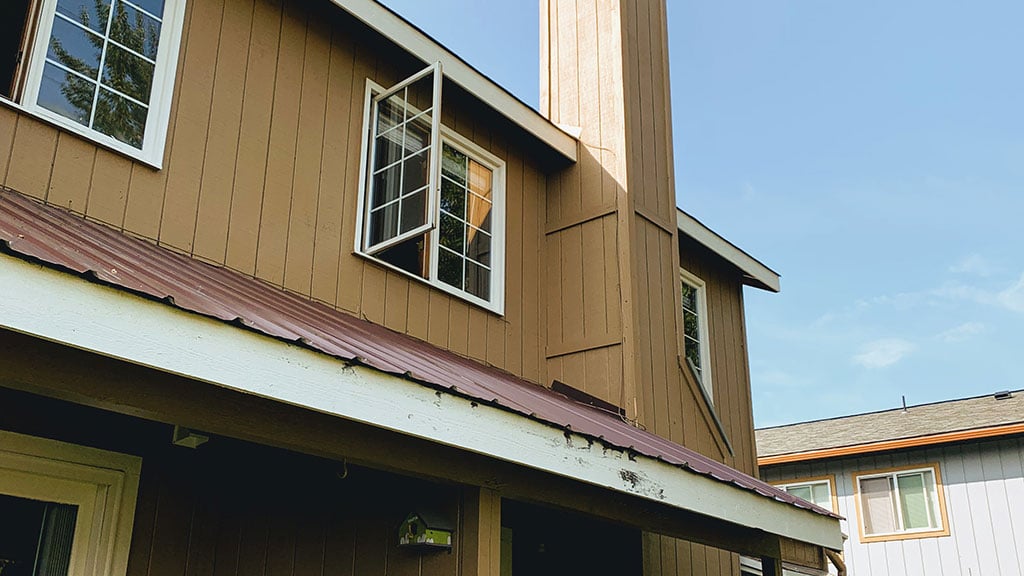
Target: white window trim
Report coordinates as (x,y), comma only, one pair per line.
(103,484)
(811,482)
(705,341)
(938,505)
(497,166)
(155,139)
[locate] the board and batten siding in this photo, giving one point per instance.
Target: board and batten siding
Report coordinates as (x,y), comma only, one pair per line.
(261,173)
(983,484)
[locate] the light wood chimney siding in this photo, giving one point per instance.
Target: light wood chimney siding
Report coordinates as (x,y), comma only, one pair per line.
(261,173)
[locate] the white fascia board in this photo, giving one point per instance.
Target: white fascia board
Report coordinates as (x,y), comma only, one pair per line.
(763,276)
(414,41)
(63,308)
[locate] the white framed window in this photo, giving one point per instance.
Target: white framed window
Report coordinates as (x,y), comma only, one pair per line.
(65,509)
(696,344)
(819,491)
(103,69)
(432,203)
(901,503)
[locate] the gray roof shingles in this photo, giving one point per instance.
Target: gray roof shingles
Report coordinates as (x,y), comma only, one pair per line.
(915,421)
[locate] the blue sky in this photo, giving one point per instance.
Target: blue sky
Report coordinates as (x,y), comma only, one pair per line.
(871,152)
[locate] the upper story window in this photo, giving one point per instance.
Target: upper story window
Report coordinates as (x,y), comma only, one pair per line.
(902,503)
(818,491)
(433,202)
(66,509)
(695,328)
(100,68)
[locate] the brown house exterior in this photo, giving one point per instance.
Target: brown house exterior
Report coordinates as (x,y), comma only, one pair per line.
(260,306)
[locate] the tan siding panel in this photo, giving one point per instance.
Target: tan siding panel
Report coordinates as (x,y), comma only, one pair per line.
(343,97)
(277,194)
(191,125)
(72,173)
(221,155)
(108,192)
(32,157)
(309,156)
(8,124)
(253,137)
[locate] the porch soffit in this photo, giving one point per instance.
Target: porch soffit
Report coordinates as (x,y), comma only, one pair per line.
(67,242)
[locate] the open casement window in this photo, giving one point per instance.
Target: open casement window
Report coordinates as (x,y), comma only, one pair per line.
(696,345)
(433,202)
(404,169)
(65,510)
(100,68)
(901,504)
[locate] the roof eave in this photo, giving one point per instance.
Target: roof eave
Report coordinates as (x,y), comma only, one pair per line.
(755,274)
(419,44)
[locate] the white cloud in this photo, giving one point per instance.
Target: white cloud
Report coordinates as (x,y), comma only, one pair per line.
(975,265)
(883,352)
(962,332)
(1013,297)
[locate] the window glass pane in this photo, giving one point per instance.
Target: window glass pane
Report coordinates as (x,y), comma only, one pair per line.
(453,165)
(386,185)
(90,13)
(690,325)
(384,223)
(414,211)
(692,349)
(76,48)
(135,30)
(478,281)
(35,536)
(449,268)
(120,118)
(128,73)
(822,495)
(878,506)
(415,171)
(452,233)
(478,246)
(689,297)
(913,501)
(417,134)
(479,212)
(66,94)
(801,492)
(453,198)
(389,149)
(389,114)
(154,7)
(480,179)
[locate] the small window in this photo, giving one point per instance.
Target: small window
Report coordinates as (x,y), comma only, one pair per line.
(695,330)
(65,509)
(432,202)
(901,504)
(100,68)
(818,491)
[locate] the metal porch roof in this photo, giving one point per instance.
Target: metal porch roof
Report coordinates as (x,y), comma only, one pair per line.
(32,230)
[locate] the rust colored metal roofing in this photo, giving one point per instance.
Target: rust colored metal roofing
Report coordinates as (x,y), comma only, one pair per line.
(64,240)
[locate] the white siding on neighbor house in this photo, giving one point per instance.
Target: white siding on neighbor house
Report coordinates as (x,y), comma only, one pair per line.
(984,496)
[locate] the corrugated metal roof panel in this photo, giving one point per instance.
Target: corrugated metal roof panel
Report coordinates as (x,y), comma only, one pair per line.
(60,238)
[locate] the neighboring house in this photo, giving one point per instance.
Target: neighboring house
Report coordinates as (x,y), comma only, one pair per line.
(929,489)
(281,277)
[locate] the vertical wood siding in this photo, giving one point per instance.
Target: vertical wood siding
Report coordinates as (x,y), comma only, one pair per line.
(261,173)
(983,484)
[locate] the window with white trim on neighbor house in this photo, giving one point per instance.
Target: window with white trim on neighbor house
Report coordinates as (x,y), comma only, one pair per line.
(432,202)
(900,503)
(696,347)
(818,492)
(103,69)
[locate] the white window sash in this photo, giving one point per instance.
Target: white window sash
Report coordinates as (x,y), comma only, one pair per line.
(434,162)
